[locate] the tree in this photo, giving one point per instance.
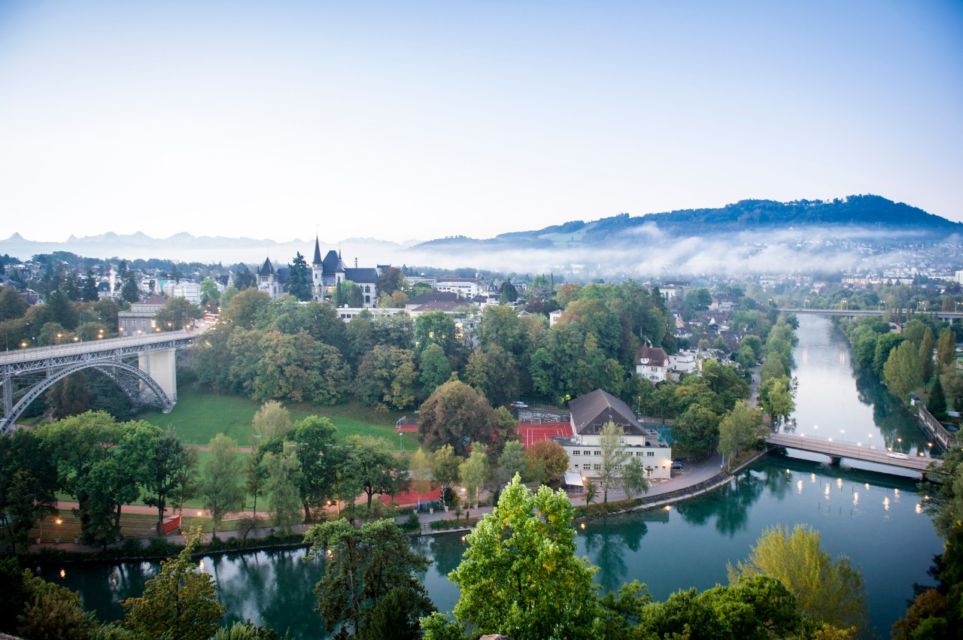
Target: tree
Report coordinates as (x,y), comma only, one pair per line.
(299,278)
(313,442)
(926,355)
(614,456)
(444,467)
(435,327)
(377,470)
(507,292)
(547,462)
(284,477)
(591,490)
(519,575)
(362,566)
(89,291)
(634,478)
(512,460)
(936,404)
(255,477)
(246,307)
(176,314)
(902,371)
(12,304)
(52,612)
(396,615)
(271,421)
(829,591)
(738,430)
(209,294)
(946,349)
(695,433)
(457,415)
(221,487)
(168,471)
(386,378)
(390,280)
(130,292)
(28,483)
(434,368)
(472,473)
(495,373)
(179,600)
(776,398)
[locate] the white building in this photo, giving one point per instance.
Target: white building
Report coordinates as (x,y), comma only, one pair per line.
(652,363)
(589,414)
(683,363)
(464,287)
(554,317)
(190,291)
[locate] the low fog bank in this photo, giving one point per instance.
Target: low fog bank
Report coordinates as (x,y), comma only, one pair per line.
(644,252)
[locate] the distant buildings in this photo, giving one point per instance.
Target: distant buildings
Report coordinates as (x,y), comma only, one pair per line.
(141,318)
(652,363)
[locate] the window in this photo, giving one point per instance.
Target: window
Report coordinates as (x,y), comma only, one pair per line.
(650,454)
(586,466)
(597,467)
(576,452)
(638,454)
(597,452)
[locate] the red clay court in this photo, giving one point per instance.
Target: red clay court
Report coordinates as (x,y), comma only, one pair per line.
(531,432)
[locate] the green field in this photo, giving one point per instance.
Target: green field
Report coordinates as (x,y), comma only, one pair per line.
(200,415)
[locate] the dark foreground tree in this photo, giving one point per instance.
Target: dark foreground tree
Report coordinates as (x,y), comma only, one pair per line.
(363,566)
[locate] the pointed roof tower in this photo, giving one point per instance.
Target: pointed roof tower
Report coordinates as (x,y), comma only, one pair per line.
(317,252)
(267,269)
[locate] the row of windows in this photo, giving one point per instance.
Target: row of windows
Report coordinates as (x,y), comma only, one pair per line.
(598,452)
(598,467)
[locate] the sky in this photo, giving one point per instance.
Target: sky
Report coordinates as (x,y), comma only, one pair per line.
(419,120)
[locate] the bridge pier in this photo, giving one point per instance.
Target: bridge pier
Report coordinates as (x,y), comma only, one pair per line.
(7,395)
(834,461)
(161,366)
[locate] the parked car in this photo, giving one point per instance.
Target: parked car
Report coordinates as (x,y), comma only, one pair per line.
(677,465)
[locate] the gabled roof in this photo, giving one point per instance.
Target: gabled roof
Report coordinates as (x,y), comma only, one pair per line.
(652,356)
(317,252)
(267,269)
(591,411)
(332,263)
(362,275)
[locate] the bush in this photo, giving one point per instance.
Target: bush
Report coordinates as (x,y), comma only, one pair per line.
(411,523)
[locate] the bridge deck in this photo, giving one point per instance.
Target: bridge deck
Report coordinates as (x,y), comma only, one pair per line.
(851,451)
(942,315)
(92,346)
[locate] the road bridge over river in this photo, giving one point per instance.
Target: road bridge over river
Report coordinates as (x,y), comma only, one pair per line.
(143,367)
(862,313)
(838,450)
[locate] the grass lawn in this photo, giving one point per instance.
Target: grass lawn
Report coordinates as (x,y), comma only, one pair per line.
(200,415)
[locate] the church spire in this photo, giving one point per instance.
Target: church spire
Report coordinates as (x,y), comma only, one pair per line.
(317,251)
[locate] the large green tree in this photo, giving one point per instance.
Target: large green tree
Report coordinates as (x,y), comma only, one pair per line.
(830,591)
(739,430)
(361,567)
(520,576)
(176,314)
(457,415)
(299,278)
(180,601)
(902,372)
(386,378)
(221,486)
(376,468)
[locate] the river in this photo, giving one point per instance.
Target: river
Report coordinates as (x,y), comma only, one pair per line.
(874,519)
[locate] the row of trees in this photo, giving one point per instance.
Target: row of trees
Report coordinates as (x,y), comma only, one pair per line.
(913,360)
(395,362)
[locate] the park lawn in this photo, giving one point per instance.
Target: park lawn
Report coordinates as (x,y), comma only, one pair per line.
(200,415)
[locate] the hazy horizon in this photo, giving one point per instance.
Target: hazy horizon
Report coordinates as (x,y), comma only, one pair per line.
(418,121)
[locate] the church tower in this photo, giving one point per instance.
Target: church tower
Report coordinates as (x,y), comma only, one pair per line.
(317,271)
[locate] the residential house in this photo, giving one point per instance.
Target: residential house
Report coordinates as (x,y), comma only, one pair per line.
(652,363)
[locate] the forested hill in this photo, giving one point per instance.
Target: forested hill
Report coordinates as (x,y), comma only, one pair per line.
(868,211)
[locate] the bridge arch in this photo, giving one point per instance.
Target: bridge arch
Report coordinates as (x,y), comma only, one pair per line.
(35,391)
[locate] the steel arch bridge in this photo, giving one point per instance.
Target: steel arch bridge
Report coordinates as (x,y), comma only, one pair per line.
(143,368)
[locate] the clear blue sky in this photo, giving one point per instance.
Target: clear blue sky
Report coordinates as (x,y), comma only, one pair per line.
(406,120)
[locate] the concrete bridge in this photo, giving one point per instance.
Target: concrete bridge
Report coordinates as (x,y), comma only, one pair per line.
(860,313)
(143,367)
(838,450)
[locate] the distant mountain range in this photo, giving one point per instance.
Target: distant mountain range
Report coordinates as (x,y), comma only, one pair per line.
(863,232)
(868,212)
